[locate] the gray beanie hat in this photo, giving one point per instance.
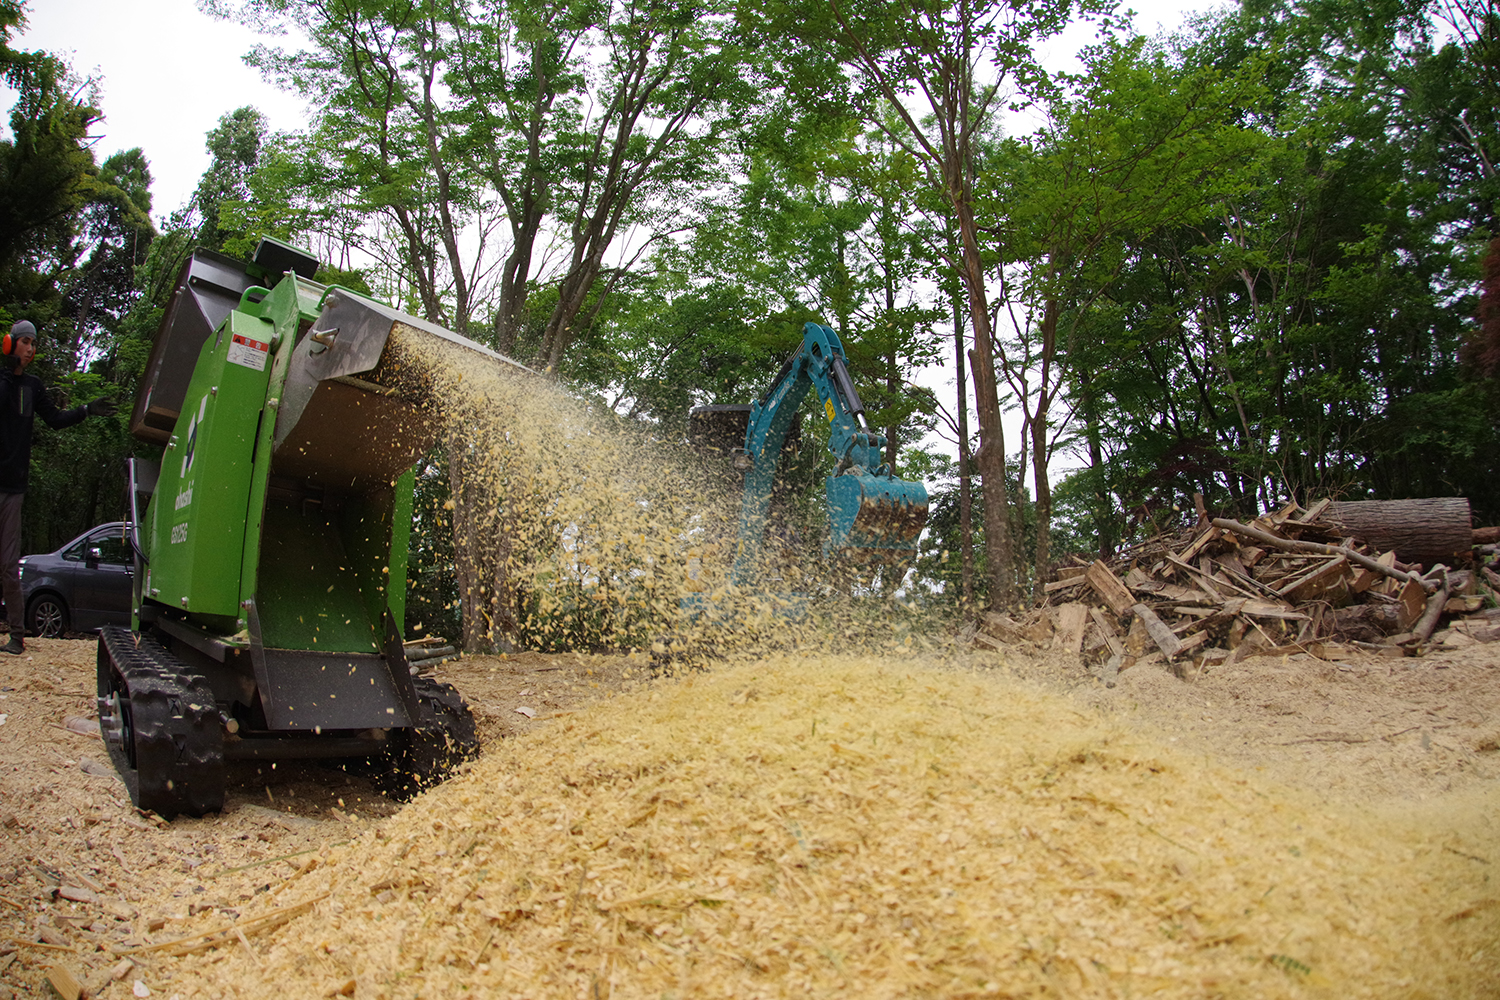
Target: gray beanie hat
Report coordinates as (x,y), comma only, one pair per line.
(23,328)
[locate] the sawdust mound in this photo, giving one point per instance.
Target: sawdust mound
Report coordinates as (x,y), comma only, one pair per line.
(873,828)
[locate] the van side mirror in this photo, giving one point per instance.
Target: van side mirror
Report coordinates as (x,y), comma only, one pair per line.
(95,554)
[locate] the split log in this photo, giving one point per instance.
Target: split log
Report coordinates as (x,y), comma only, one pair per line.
(1478,628)
(1265,609)
(1367,578)
(1002,627)
(1413,603)
(989,641)
(1109,587)
(1198,544)
(1428,530)
(1266,538)
(1071,619)
(1424,626)
(1107,630)
(63,983)
(1367,622)
(1111,670)
(1314,512)
(1323,581)
(1164,638)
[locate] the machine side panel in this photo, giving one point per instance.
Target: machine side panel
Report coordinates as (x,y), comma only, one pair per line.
(208,289)
(283,309)
(198,512)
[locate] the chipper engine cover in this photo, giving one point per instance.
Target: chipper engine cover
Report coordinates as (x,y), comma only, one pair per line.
(271,540)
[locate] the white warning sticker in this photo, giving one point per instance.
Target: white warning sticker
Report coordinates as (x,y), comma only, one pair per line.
(248,353)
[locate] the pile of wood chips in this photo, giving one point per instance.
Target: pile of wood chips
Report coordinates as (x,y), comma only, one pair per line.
(810,827)
(1291,581)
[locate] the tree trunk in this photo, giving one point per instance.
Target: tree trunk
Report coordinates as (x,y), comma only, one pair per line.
(1039,425)
(965,486)
(991,457)
(513,287)
(1430,530)
(893,382)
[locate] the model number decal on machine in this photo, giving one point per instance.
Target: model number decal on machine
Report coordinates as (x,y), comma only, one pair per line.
(248,353)
(179,533)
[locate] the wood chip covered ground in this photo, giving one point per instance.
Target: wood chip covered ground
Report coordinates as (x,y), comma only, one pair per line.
(915,824)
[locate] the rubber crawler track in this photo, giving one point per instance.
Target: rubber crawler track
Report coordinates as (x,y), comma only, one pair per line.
(162,727)
(443,738)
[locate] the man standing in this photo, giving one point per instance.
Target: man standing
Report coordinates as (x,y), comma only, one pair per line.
(23,397)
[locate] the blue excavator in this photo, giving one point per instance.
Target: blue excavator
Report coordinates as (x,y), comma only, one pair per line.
(874,519)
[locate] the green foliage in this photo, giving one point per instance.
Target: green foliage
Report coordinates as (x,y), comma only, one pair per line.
(72,233)
(1300,337)
(432,599)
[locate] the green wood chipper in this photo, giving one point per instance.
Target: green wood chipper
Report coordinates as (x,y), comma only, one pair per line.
(271,540)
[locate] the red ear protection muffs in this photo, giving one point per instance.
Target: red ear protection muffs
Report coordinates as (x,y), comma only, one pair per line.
(24,328)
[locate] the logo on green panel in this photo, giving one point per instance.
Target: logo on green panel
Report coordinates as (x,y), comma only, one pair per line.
(191,448)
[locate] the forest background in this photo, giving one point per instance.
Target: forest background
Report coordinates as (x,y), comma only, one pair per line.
(1254,259)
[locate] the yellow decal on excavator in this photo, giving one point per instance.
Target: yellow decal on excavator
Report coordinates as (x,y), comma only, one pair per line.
(828,408)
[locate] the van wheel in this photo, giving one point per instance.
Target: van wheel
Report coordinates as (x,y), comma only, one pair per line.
(47,616)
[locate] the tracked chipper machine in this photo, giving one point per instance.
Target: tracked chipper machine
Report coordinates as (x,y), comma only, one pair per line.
(271,539)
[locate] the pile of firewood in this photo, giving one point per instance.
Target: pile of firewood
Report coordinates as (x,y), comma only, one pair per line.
(1376,576)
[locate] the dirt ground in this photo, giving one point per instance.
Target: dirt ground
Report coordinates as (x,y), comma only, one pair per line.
(84,877)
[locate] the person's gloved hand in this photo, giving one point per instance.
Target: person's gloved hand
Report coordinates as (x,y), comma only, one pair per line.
(104,406)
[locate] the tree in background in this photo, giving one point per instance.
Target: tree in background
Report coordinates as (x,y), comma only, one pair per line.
(1132,146)
(1304,342)
(72,232)
(579,126)
(931,78)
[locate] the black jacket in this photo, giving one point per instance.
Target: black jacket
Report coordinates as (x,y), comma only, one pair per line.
(22,398)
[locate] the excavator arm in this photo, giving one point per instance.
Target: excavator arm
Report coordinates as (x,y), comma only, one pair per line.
(873,517)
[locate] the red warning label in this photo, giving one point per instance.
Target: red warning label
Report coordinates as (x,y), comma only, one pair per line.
(248,353)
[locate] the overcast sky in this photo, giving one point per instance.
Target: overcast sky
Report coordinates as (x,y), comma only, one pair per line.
(169,72)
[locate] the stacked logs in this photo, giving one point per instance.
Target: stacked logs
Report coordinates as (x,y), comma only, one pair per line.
(1331,580)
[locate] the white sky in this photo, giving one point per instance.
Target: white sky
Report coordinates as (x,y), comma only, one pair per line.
(167,73)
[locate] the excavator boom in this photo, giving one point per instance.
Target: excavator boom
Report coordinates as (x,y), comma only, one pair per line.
(873,517)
